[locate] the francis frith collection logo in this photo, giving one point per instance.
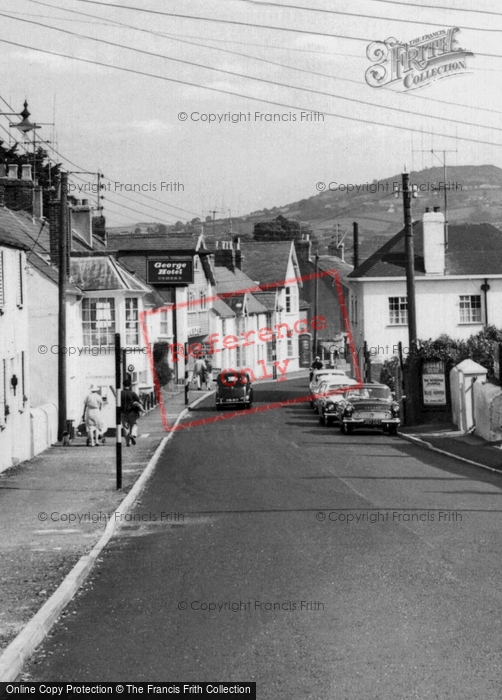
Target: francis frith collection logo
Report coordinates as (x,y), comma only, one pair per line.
(417,63)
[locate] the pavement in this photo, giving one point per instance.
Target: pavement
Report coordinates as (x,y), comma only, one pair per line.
(59,509)
(57,512)
(446,439)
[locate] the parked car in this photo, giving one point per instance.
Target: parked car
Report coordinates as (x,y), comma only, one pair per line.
(233,388)
(368,406)
(320,376)
(330,393)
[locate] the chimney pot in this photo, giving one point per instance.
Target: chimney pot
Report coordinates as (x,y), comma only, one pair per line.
(26,172)
(427,210)
(436,209)
(3,172)
(12,172)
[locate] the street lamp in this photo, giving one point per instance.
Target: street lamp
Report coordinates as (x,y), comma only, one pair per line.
(26,126)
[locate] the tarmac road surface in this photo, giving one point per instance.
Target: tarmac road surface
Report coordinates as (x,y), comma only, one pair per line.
(268,548)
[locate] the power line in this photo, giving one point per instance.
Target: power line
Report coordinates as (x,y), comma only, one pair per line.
(263,60)
(261,100)
(356,14)
(438,7)
(225,21)
(250,77)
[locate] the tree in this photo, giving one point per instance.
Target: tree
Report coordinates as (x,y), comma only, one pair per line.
(278,229)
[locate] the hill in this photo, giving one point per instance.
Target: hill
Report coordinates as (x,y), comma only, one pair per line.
(473,194)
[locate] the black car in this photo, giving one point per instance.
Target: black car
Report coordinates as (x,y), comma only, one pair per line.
(368,406)
(233,388)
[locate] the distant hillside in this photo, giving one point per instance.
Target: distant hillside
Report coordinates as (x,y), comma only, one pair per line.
(474,194)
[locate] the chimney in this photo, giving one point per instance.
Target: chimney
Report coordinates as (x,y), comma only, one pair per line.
(434,246)
(304,249)
(18,192)
(226,256)
(38,203)
(54,231)
(355,249)
(81,220)
(341,249)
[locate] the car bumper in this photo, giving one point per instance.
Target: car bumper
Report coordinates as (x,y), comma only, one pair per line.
(377,422)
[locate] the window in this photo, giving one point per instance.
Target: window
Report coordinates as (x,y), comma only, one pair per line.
(288,300)
(164,323)
(290,348)
(98,321)
(23,378)
(2,297)
(203,304)
(191,301)
(19,291)
(398,311)
(470,308)
(131,321)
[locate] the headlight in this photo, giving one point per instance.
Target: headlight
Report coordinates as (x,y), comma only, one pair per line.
(395,408)
(348,409)
(330,405)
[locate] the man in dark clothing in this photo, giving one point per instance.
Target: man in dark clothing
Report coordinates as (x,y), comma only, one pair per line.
(316,364)
(131,409)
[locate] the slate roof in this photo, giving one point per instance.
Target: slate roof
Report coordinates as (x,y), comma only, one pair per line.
(228,281)
(104,273)
(20,226)
(332,262)
(146,241)
(6,239)
(266,262)
(473,249)
(222,309)
(269,300)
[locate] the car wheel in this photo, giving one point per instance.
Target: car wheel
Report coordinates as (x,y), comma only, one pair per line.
(346,428)
(392,429)
(328,421)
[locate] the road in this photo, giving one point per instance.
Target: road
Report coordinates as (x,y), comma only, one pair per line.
(382,561)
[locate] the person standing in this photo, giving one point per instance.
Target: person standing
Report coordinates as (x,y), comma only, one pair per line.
(199,371)
(92,415)
(209,374)
(131,409)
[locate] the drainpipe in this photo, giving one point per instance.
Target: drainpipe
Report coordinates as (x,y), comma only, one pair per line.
(486,288)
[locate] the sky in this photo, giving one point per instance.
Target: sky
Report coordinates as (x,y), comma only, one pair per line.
(152,132)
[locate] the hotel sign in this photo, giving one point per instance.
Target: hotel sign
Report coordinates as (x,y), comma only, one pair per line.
(169,270)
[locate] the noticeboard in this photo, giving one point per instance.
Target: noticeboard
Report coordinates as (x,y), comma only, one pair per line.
(305,349)
(434,384)
(169,270)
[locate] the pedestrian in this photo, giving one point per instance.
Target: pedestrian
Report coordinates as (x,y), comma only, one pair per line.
(209,374)
(131,409)
(316,364)
(199,371)
(92,416)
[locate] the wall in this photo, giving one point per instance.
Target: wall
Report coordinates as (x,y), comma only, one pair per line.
(488,411)
(15,427)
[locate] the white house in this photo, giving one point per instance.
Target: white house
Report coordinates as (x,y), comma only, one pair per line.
(14,380)
(458,286)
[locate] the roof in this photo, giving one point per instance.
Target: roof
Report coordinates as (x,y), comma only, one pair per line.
(269,300)
(266,262)
(104,273)
(222,309)
(473,249)
(6,239)
(21,227)
(327,263)
(236,288)
(159,243)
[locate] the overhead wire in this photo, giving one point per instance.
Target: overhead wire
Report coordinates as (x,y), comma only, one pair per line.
(251,77)
(261,100)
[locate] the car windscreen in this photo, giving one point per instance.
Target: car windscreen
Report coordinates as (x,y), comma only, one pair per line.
(369,392)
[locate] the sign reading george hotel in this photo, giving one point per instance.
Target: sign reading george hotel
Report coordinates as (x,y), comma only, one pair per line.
(169,270)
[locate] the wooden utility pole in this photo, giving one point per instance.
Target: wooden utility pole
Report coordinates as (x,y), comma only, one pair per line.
(63,275)
(316,300)
(410,263)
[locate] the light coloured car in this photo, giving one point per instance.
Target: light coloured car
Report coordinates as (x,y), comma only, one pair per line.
(330,392)
(322,375)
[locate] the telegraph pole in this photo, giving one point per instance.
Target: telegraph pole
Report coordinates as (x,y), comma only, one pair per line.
(410,263)
(316,300)
(63,274)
